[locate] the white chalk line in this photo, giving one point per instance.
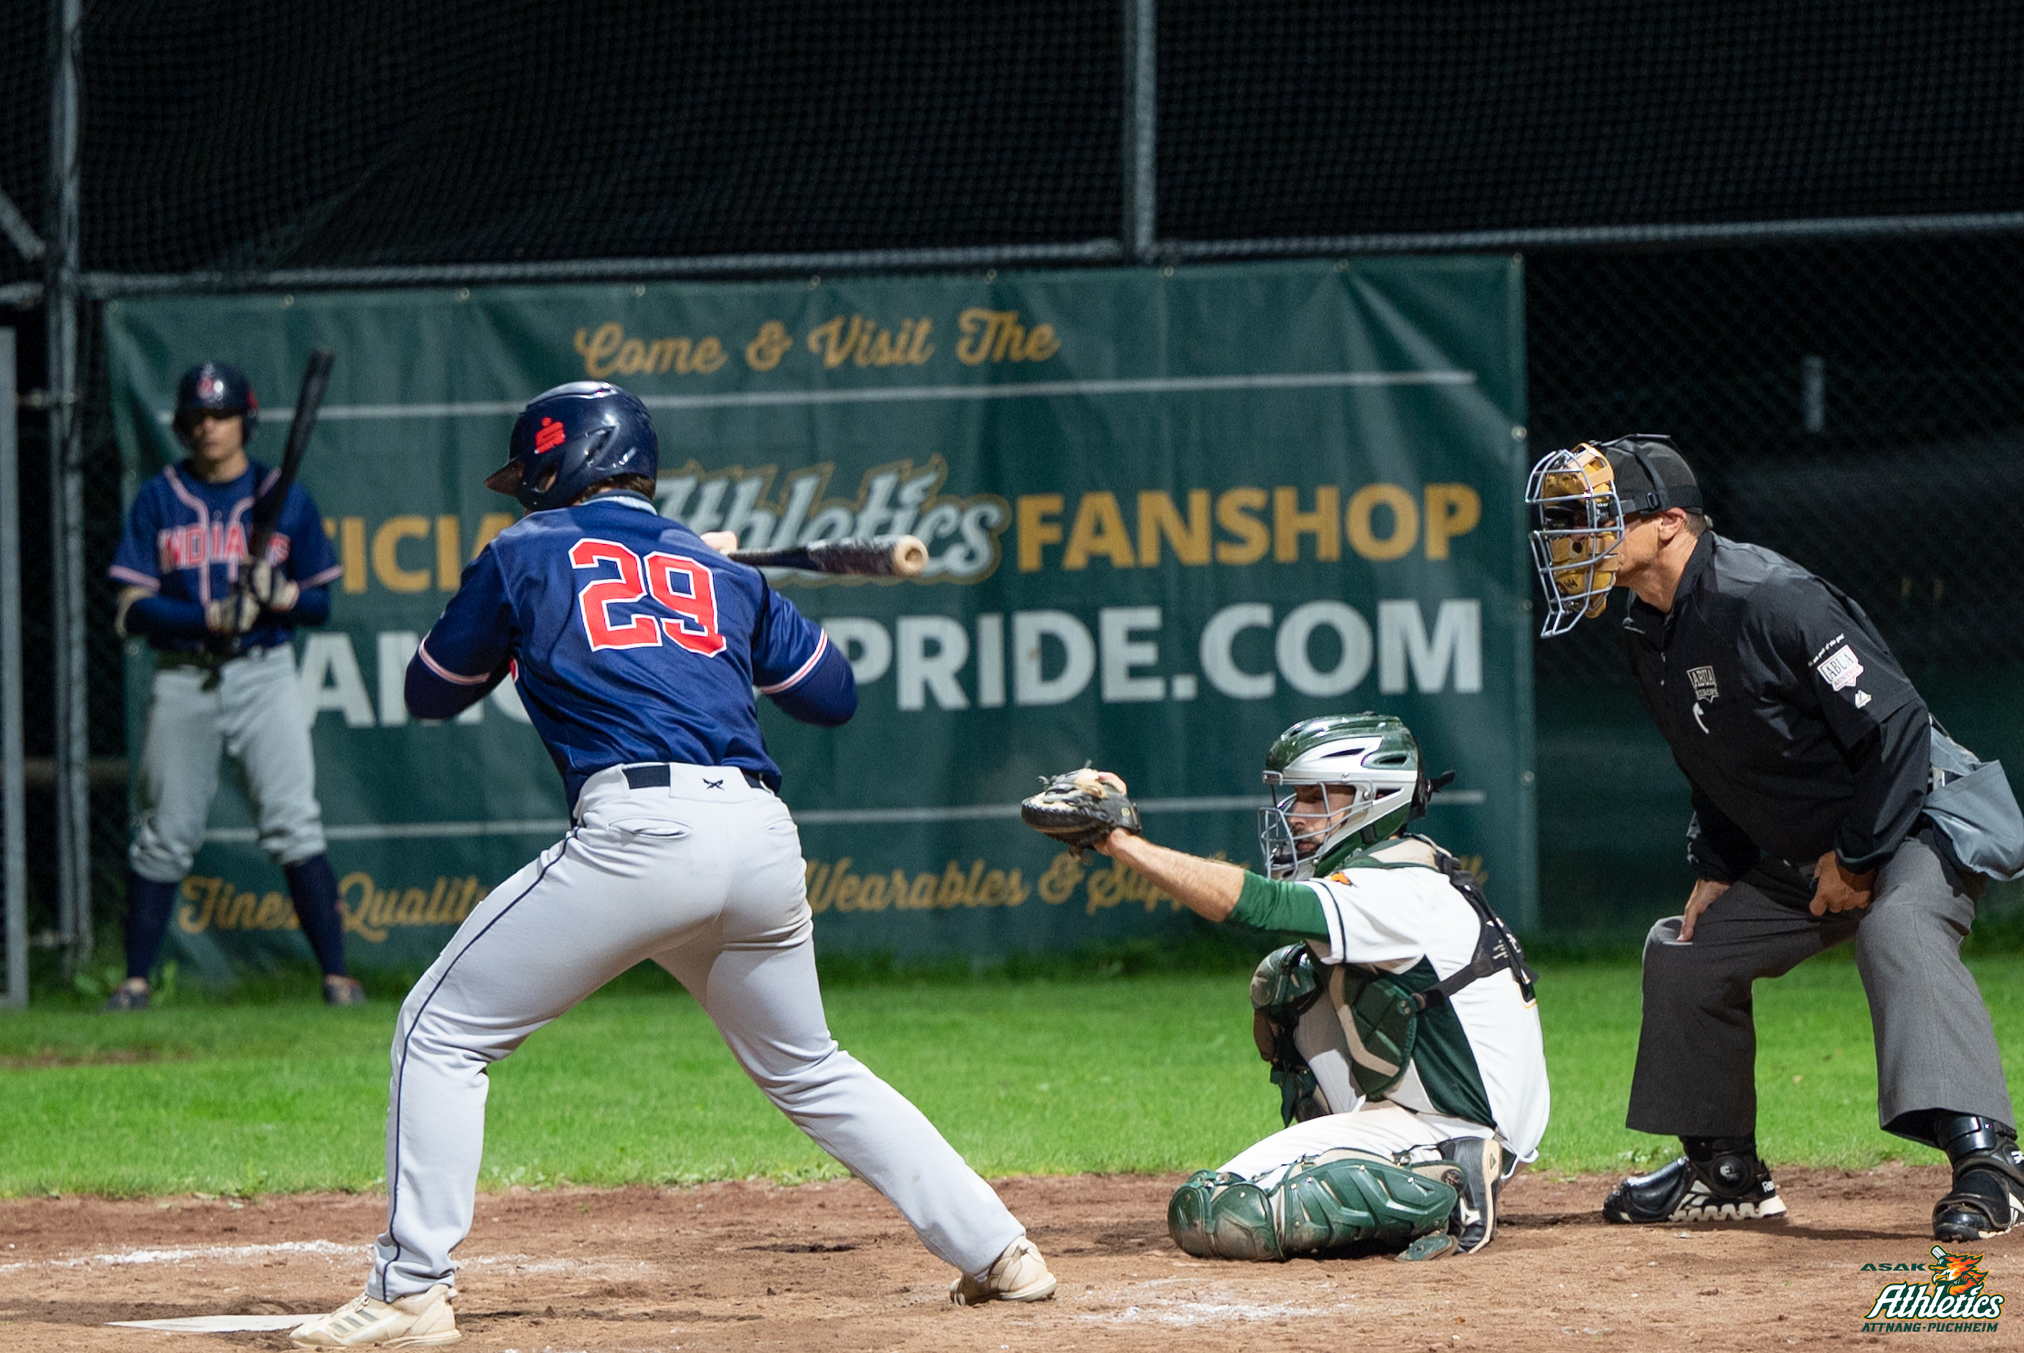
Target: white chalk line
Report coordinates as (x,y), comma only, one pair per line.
(1220,1308)
(216,1324)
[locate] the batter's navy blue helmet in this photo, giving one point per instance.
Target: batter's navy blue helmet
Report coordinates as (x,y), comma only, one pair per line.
(569,438)
(215,387)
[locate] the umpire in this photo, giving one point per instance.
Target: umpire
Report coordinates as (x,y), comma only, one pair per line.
(1811,759)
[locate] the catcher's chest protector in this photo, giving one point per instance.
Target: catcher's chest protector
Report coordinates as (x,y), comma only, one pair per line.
(1379,1011)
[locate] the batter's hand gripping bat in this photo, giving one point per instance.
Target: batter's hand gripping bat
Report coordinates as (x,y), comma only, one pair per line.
(267,511)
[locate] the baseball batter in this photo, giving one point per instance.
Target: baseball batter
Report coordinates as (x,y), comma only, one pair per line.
(1402,1029)
(636,649)
(224,673)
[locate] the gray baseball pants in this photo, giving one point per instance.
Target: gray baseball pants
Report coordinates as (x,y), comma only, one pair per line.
(1935,1046)
(254,715)
(705,877)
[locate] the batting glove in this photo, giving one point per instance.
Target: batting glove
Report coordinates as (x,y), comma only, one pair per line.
(271,588)
(231,615)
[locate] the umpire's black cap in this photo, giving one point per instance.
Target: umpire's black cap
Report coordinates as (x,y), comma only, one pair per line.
(1651,474)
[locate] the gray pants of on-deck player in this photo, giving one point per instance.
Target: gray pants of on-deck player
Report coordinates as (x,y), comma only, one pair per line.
(253,714)
(1935,1047)
(704,876)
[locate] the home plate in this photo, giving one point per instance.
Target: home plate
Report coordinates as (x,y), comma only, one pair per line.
(216,1324)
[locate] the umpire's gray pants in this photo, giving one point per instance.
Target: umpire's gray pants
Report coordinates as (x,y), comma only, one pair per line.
(1935,1047)
(705,877)
(253,714)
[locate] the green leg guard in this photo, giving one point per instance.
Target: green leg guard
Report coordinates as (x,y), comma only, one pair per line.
(1220,1216)
(1347,1198)
(1324,1203)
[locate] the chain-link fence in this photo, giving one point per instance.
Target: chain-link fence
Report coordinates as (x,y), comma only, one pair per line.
(1844,366)
(1369,117)
(1856,407)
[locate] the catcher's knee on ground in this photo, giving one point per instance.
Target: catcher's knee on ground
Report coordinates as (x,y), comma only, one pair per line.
(1320,1203)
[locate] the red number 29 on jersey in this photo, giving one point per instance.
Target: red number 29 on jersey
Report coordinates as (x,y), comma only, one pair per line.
(677,583)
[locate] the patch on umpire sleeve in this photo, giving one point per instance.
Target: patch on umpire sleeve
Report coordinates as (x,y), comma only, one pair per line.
(1840,669)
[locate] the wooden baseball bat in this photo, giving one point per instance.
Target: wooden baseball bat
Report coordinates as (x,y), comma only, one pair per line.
(266,512)
(876,556)
(267,508)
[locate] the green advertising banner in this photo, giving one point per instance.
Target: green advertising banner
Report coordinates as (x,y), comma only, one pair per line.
(1169,512)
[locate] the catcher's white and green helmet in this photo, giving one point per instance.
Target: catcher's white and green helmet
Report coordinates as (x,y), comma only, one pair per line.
(1368,769)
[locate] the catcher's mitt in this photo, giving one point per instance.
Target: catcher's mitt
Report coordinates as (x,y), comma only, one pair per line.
(1081,809)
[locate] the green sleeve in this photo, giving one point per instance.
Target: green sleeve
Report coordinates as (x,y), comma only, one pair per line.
(1273,904)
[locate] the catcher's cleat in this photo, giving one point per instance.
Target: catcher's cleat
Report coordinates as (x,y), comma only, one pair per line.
(1733,1186)
(424,1320)
(131,994)
(1479,1163)
(1019,1274)
(343,991)
(1436,1245)
(1988,1193)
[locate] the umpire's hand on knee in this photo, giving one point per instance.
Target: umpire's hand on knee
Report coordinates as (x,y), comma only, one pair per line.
(1704,894)
(1836,889)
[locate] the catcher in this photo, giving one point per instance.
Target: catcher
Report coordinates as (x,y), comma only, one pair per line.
(1401,1030)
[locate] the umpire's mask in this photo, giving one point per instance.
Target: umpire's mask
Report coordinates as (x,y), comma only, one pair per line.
(1577,523)
(1580,500)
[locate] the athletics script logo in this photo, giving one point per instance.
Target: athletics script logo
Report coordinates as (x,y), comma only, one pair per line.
(1953,1301)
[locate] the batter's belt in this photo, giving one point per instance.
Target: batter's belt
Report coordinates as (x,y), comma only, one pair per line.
(660,775)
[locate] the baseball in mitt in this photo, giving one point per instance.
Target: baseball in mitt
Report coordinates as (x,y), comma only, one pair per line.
(1081,809)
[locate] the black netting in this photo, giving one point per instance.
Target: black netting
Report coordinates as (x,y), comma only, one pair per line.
(24,135)
(1333,118)
(277,134)
(1859,408)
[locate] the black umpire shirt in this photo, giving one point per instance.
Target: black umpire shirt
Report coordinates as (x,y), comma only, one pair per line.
(1794,724)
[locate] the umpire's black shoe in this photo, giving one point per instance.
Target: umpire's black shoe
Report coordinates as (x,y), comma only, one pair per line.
(1729,1186)
(1988,1194)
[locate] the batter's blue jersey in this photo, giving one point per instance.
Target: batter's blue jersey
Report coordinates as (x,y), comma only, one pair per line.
(631,640)
(184,539)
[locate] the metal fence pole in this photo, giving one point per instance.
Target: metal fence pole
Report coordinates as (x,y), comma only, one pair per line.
(66,501)
(1141,116)
(13,793)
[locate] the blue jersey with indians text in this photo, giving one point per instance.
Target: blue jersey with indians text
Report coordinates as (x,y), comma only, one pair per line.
(629,639)
(184,539)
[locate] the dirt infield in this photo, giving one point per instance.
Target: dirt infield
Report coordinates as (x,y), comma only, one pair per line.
(831,1266)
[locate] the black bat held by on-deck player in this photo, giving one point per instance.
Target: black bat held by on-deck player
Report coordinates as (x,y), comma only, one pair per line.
(266,512)
(876,556)
(267,508)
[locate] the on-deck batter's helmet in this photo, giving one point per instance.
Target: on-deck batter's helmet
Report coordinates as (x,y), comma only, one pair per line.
(569,438)
(215,387)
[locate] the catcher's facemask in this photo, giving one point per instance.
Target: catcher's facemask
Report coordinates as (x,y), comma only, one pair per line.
(1307,821)
(1577,525)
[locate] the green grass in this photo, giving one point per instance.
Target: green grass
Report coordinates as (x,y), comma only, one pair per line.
(1152,1073)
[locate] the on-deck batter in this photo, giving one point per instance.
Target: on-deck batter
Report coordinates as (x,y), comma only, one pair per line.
(636,648)
(179,562)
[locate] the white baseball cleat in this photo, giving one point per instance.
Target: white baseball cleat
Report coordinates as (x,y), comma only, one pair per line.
(424,1320)
(1019,1274)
